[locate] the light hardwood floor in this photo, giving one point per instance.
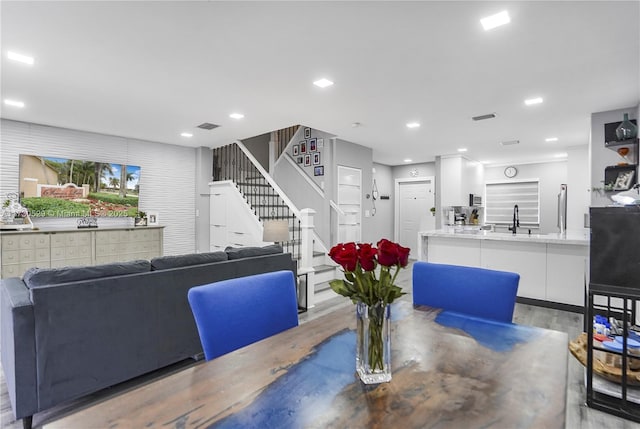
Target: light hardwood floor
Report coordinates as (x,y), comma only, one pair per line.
(578,414)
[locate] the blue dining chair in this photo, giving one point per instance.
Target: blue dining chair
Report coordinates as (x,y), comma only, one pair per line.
(477,292)
(231,314)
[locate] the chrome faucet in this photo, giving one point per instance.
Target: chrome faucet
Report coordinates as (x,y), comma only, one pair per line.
(516,219)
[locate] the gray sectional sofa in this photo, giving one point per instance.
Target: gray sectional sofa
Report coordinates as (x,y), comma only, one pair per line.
(68,332)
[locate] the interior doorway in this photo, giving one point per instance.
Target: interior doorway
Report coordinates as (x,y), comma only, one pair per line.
(350,203)
(414,199)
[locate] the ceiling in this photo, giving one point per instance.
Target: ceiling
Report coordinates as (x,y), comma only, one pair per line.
(152,70)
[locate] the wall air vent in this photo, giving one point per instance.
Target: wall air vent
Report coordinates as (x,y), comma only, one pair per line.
(208,126)
(483,117)
(510,142)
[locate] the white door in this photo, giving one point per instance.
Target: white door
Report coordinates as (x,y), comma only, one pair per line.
(349,202)
(415,199)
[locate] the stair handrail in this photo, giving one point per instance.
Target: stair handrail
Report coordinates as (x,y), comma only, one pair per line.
(336,208)
(268,178)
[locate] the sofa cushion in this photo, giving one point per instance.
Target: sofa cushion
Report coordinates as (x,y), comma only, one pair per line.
(247,252)
(36,277)
(167,262)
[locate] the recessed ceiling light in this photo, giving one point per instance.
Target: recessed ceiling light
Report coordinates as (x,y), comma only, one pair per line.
(13,103)
(413,125)
(408,160)
(496,20)
(236,115)
(323,83)
(462,149)
(532,101)
(186,135)
(561,155)
(20,58)
(551,139)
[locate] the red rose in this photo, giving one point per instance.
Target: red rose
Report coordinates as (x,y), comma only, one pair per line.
(367,256)
(403,255)
(387,253)
(346,255)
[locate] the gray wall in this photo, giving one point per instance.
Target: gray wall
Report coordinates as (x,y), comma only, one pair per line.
(601,156)
(424,169)
(551,175)
(204,175)
(259,148)
(382,222)
(167,177)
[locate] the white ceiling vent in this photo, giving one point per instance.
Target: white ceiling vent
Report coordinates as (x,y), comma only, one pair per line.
(510,142)
(208,126)
(483,117)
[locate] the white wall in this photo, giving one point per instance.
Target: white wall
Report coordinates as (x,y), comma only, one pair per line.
(578,189)
(550,175)
(167,177)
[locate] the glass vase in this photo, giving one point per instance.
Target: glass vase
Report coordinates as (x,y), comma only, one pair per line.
(627,129)
(373,343)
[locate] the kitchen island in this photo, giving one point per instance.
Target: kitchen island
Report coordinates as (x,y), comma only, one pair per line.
(553,268)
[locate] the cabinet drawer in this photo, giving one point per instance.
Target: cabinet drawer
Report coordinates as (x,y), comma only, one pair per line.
(77,239)
(12,270)
(57,253)
(102,237)
(42,241)
(239,239)
(42,255)
(10,243)
(27,255)
(77,252)
(10,257)
(58,240)
(27,242)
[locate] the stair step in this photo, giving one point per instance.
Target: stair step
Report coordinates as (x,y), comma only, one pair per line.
(322,268)
(264,185)
(316,253)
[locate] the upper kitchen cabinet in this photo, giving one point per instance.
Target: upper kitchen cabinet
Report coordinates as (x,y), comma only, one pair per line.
(459,177)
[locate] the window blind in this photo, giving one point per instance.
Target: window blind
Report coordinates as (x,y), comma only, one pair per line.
(501,197)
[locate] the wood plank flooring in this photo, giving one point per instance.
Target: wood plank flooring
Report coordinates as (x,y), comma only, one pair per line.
(578,414)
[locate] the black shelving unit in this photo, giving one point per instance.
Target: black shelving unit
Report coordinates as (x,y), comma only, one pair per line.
(614,291)
(623,170)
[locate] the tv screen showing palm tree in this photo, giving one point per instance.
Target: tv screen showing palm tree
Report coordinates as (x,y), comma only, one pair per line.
(61,187)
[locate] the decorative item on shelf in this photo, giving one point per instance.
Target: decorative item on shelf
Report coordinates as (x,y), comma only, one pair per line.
(623,152)
(13,214)
(140,219)
(153,218)
(626,130)
(88,222)
(372,295)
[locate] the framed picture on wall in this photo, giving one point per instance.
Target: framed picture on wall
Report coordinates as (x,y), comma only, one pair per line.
(307,160)
(296,150)
(307,133)
(316,158)
(318,171)
(152,218)
(312,145)
(300,160)
(303,146)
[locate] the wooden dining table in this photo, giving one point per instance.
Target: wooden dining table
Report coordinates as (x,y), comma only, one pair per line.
(449,371)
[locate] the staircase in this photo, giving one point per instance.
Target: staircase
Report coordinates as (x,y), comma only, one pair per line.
(234,163)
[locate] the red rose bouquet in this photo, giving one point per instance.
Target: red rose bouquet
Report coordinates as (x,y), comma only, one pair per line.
(359,262)
(372,295)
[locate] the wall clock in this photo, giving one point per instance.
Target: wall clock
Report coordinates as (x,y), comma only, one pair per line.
(510,172)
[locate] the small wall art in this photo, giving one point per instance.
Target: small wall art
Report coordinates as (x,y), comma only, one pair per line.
(307,160)
(316,158)
(300,160)
(312,145)
(318,171)
(303,146)
(153,218)
(296,150)
(307,133)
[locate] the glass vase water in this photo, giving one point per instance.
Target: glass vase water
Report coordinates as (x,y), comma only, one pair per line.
(373,343)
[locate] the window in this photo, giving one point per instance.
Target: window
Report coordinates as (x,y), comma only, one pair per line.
(501,197)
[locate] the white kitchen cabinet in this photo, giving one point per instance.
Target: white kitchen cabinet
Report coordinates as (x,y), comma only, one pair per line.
(454,251)
(459,177)
(567,266)
(527,259)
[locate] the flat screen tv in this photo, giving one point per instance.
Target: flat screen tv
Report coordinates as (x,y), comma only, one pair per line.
(61,187)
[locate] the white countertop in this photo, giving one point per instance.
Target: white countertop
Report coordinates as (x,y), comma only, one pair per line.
(570,237)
